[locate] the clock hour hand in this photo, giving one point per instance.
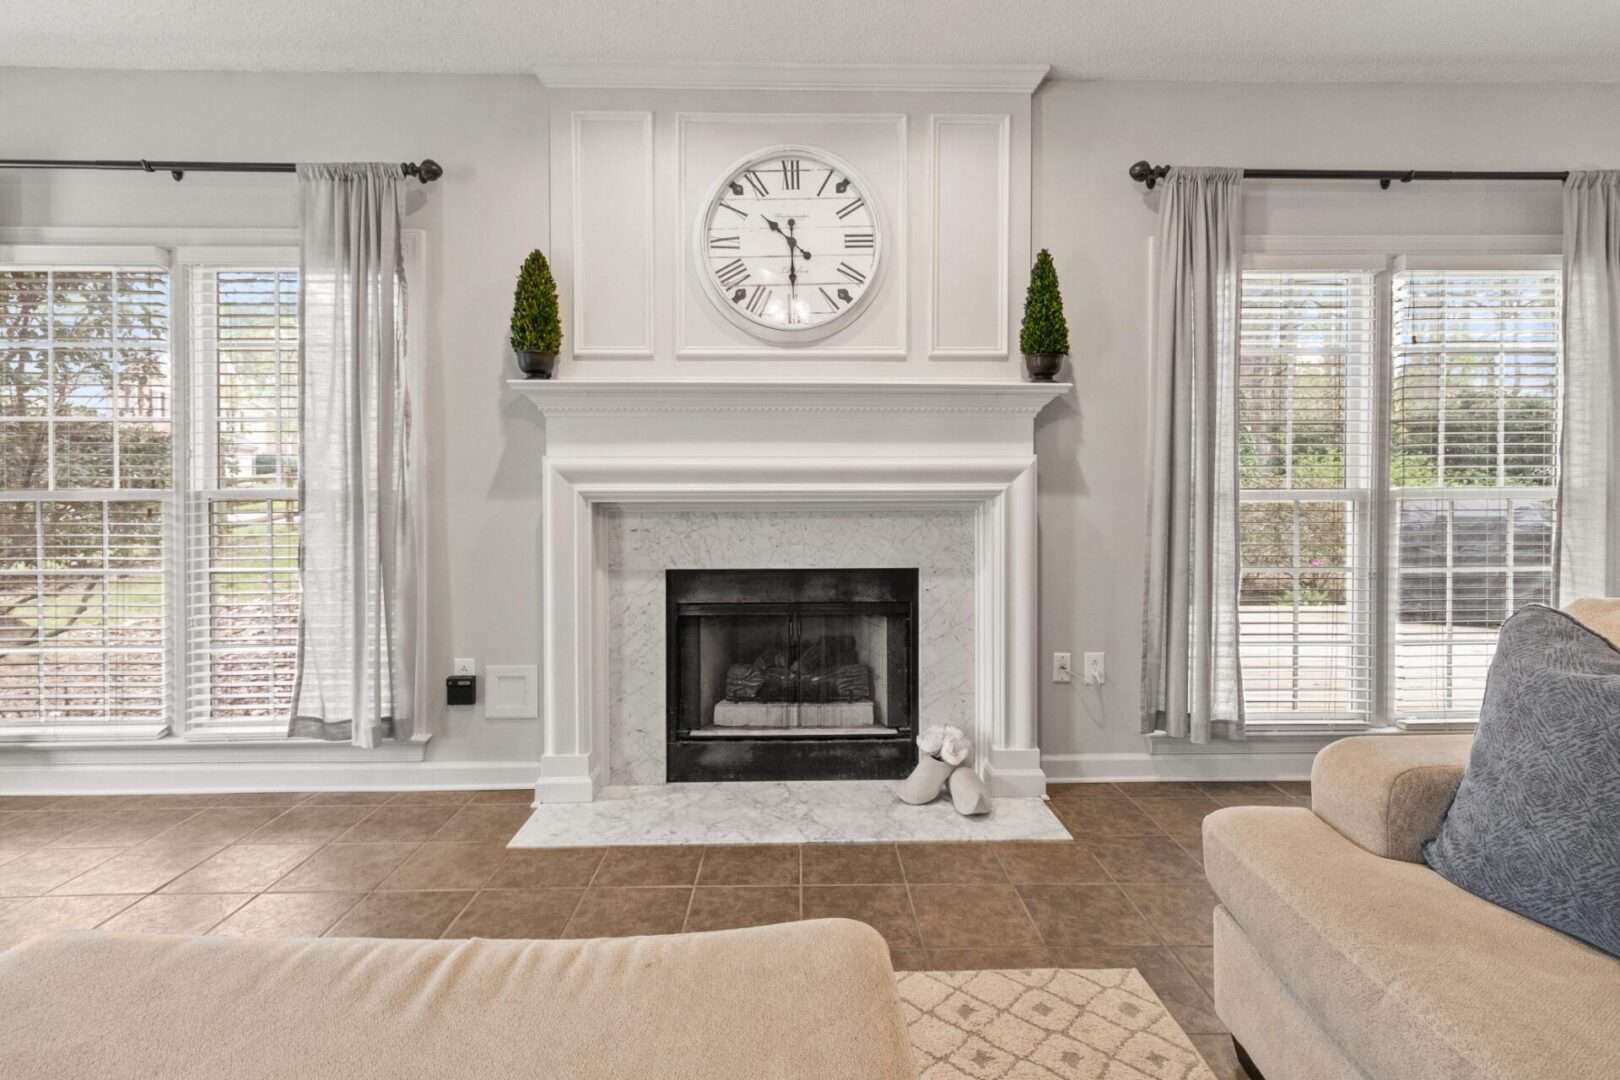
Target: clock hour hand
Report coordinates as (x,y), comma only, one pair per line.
(792,242)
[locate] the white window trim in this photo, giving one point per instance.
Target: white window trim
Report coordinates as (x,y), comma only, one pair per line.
(175,249)
(1385,255)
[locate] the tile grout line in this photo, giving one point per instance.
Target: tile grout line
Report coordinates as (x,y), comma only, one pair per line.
(911,902)
(691,897)
(359,898)
(473,895)
(578,900)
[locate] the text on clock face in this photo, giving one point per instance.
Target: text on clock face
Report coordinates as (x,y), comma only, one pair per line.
(791,242)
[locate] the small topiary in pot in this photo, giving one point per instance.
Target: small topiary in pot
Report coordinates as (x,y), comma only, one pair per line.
(1044,337)
(536,324)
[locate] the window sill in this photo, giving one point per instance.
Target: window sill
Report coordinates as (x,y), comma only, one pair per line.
(201,751)
(1298,737)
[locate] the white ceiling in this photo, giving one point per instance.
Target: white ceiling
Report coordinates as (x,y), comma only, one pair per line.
(1243,40)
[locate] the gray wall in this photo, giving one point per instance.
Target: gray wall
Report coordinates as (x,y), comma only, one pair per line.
(482,493)
(1098,224)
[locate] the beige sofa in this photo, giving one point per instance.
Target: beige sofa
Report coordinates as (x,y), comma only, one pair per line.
(801,1001)
(1340,956)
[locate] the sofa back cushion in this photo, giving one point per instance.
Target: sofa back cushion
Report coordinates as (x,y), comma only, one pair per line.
(1535,826)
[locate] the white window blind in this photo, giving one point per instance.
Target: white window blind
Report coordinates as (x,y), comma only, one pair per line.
(1473,467)
(85,502)
(1398,487)
(243,512)
(1305,470)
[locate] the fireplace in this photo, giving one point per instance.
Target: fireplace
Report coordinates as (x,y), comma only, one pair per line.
(791,674)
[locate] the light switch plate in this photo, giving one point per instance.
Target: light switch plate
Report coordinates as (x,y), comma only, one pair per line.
(1095,674)
(1062,667)
(464,665)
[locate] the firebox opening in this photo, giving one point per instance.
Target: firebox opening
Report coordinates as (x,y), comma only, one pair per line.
(791,674)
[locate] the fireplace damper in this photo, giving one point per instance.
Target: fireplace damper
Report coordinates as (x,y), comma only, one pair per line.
(791,674)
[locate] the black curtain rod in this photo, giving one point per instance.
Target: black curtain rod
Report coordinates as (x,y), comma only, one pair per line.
(427,170)
(1150,175)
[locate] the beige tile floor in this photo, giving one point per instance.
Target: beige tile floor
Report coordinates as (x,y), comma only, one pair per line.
(1127,892)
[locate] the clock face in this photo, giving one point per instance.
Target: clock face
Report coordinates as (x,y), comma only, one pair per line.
(789,245)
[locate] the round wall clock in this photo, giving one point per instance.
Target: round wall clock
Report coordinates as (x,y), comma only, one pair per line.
(789,245)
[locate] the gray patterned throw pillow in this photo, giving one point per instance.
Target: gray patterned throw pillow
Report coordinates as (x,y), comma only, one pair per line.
(1535,826)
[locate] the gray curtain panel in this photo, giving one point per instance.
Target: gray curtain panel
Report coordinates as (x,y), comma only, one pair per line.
(1191,683)
(1589,489)
(357,563)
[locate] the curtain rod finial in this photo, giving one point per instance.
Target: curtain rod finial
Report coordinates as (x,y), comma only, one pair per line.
(427,171)
(1149,175)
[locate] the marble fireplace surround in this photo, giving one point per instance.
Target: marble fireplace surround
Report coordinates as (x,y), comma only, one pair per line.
(736,446)
(638,544)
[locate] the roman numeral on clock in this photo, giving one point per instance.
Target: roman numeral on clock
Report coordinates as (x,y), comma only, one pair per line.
(732,273)
(850,207)
(831,302)
(725,243)
(790,174)
(825,180)
(733,209)
(755,182)
(757,299)
(850,272)
(858,241)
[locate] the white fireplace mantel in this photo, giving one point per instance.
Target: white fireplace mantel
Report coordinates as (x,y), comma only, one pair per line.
(733,443)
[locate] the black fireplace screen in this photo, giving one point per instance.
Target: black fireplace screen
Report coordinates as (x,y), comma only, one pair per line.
(791,674)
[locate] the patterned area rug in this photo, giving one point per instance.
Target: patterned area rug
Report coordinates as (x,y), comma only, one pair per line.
(1050,1024)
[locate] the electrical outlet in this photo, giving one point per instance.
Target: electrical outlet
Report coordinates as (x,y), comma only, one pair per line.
(464,666)
(1095,675)
(1062,667)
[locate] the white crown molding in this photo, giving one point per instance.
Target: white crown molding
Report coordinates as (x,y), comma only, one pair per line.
(922,78)
(587,397)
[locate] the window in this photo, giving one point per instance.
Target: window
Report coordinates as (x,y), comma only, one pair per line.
(1305,477)
(86,500)
(1473,473)
(242,511)
(148,500)
(1397,442)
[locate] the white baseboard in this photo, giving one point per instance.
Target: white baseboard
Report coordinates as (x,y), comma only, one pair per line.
(1073,768)
(169,778)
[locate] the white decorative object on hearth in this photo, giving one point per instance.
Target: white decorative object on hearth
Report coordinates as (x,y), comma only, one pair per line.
(968,795)
(926,781)
(734,445)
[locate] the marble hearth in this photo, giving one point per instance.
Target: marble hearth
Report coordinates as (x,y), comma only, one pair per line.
(641,477)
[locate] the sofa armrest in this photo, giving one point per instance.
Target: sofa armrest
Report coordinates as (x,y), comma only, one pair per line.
(1599,614)
(1388,793)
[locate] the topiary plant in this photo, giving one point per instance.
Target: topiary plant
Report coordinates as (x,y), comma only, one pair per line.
(536,326)
(1045,331)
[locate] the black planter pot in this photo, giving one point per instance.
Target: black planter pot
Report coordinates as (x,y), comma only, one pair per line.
(536,365)
(1043,367)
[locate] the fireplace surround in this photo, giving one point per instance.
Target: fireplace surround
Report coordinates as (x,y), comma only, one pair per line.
(744,446)
(791,674)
